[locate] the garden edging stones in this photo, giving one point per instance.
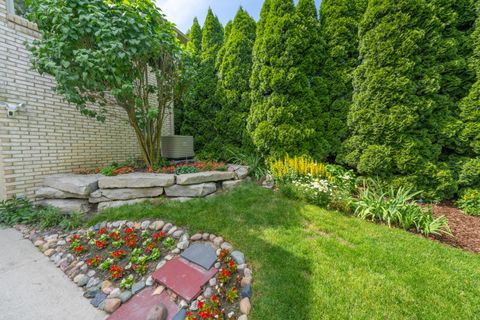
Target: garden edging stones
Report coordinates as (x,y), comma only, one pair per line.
(95,192)
(81,255)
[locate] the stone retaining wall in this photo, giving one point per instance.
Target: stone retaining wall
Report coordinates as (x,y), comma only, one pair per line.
(90,193)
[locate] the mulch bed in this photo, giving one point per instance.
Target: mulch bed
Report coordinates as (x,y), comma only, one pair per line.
(466,229)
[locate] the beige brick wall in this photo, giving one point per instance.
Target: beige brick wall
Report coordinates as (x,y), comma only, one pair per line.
(50,136)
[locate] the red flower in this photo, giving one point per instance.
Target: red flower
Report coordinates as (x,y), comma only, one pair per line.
(102,231)
(79,249)
(93,262)
(129,230)
(100,244)
(119,254)
(73,238)
(115,236)
(159,235)
(116,272)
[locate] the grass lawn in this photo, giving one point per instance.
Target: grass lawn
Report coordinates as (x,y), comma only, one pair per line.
(312,263)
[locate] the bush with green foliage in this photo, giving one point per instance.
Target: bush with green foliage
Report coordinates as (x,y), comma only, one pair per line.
(102,50)
(253,160)
(469,202)
(397,207)
(401,112)
(21,211)
(286,115)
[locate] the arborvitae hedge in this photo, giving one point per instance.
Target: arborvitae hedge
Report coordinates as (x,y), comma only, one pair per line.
(234,83)
(285,116)
(470,115)
(397,109)
(201,103)
(339,20)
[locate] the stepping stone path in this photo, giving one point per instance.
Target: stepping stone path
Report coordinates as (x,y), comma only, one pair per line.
(184,276)
(201,254)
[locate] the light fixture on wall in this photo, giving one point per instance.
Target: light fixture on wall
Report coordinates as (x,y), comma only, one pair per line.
(13,108)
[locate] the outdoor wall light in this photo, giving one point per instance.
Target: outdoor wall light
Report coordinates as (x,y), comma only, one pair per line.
(13,108)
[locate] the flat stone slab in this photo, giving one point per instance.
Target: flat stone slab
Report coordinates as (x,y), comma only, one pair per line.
(201,177)
(81,185)
(137,308)
(121,203)
(229,185)
(196,190)
(52,193)
(103,195)
(201,254)
(136,180)
(240,171)
(66,205)
(184,278)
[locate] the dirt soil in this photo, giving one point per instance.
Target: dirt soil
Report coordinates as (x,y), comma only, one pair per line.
(466,229)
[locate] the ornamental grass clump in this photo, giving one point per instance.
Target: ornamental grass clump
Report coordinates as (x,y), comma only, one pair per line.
(397,207)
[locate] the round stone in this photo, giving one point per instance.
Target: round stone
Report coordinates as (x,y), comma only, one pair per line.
(172,230)
(213,282)
(106,284)
(115,293)
(167,227)
(145,224)
(149,281)
(196,237)
(138,286)
(83,280)
(226,246)
(205,236)
(49,252)
(125,296)
(238,257)
(158,312)
(218,241)
(243,317)
(39,243)
(208,292)
(246,281)
(91,273)
(245,306)
(247,272)
(112,304)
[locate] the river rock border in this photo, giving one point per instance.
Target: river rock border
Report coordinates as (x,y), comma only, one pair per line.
(107,296)
(95,192)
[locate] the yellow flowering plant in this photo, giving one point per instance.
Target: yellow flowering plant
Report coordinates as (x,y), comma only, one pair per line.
(303,166)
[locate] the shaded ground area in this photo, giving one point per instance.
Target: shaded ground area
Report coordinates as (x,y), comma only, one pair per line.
(33,288)
(466,229)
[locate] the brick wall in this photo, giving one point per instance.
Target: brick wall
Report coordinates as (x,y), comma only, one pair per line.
(50,136)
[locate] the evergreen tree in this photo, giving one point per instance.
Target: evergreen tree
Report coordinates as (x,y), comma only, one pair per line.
(470,115)
(200,103)
(339,21)
(235,68)
(397,89)
(184,93)
(285,116)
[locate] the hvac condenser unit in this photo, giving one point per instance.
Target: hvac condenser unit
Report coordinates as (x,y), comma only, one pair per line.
(177,147)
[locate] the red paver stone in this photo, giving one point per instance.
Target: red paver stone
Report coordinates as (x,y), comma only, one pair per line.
(139,305)
(184,278)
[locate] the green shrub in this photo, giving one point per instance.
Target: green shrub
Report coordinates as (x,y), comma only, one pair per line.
(396,207)
(470,202)
(21,211)
(107,171)
(316,191)
(185,170)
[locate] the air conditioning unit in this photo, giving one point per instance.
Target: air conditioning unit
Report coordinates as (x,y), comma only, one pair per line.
(177,147)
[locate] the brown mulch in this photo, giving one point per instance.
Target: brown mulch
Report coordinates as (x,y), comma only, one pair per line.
(466,229)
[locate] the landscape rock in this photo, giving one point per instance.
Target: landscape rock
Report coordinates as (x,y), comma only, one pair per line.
(229,185)
(120,203)
(201,177)
(137,180)
(246,281)
(112,304)
(115,293)
(93,282)
(144,225)
(158,312)
(157,225)
(103,195)
(226,246)
(196,190)
(245,306)
(238,257)
(125,296)
(243,317)
(91,292)
(49,252)
(99,298)
(66,205)
(39,243)
(196,237)
(246,292)
(83,280)
(218,241)
(138,286)
(81,185)
(52,193)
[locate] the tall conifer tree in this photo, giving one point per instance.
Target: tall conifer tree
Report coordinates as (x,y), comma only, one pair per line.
(397,89)
(285,116)
(339,20)
(235,69)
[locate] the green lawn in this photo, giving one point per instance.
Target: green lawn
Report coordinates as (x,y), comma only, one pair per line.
(311,263)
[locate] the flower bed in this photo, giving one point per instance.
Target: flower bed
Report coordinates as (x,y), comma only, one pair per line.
(115,261)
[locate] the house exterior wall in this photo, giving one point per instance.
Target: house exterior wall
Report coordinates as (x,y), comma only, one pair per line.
(50,136)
